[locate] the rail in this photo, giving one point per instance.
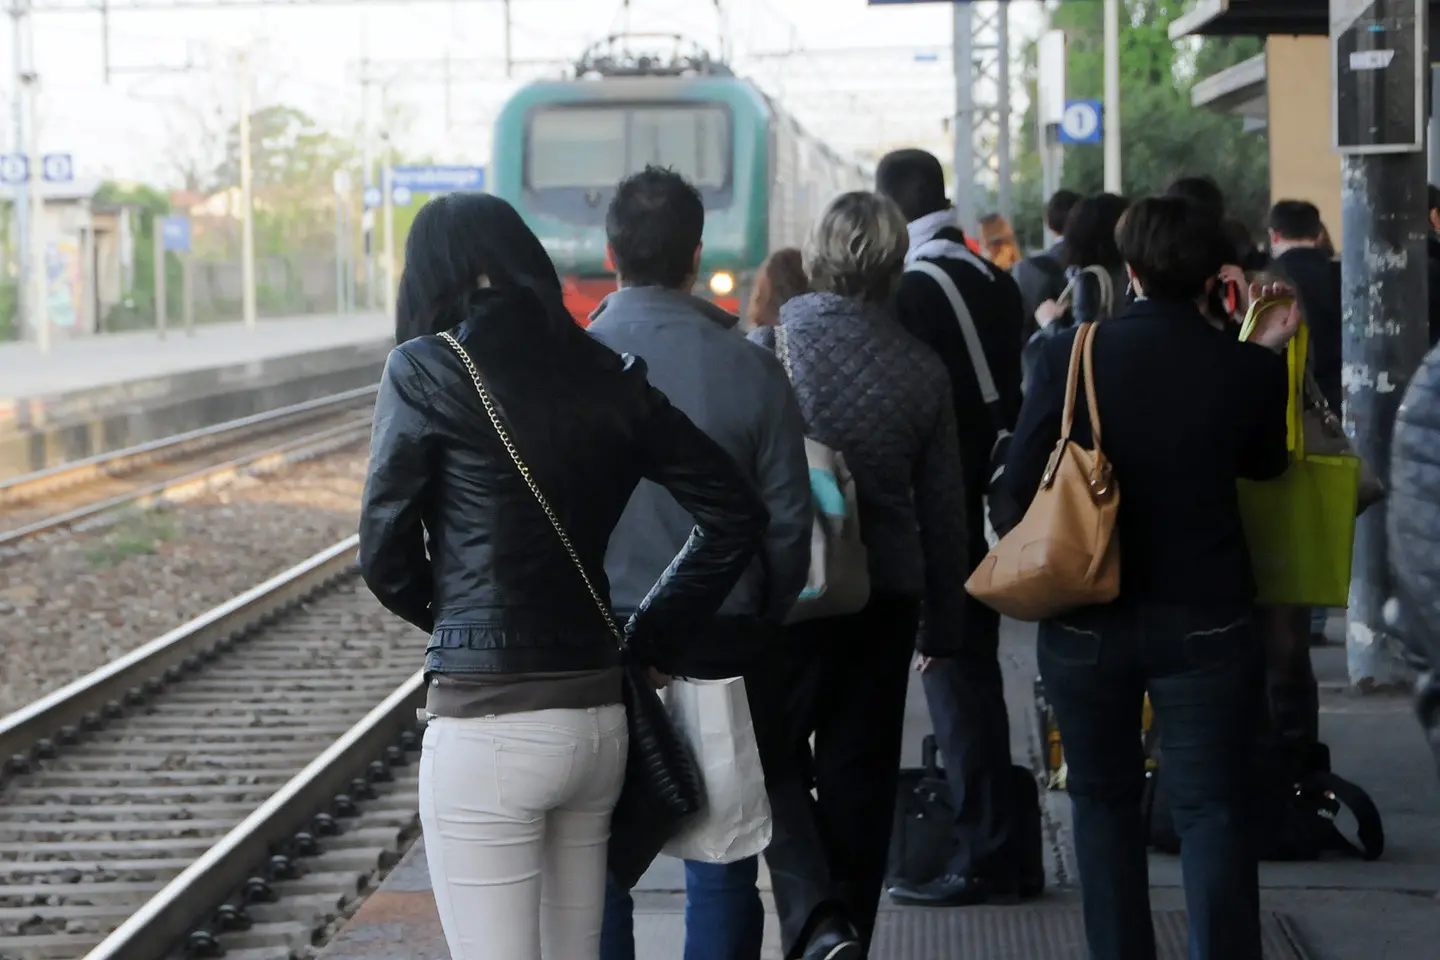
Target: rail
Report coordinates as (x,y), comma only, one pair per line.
(30,485)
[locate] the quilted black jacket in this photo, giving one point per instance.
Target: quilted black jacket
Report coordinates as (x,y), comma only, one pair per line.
(493,584)
(1414,518)
(879,396)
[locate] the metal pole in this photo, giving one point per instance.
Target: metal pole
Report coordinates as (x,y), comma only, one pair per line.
(1112,97)
(509,57)
(964,125)
(1385,289)
(26,315)
(339,250)
(387,187)
(367,218)
(1383,209)
(187,291)
(161,304)
(247,202)
(1002,72)
(40,306)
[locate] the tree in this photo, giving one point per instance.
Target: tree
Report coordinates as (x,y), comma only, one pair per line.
(1162,135)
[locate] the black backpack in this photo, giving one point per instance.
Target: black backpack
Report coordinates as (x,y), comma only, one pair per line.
(1297,802)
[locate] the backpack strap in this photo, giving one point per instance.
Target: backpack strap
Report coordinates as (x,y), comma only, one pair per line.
(1370,830)
(973,346)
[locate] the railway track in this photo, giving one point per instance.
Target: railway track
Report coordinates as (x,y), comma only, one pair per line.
(224,789)
(176,467)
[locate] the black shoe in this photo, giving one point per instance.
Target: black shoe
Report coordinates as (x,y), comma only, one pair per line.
(834,940)
(944,891)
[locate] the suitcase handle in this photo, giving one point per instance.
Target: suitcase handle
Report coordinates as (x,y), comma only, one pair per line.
(930,755)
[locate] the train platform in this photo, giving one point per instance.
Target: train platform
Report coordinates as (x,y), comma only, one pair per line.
(1328,910)
(98,394)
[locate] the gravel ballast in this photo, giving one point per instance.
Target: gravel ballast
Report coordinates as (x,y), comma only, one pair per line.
(75,601)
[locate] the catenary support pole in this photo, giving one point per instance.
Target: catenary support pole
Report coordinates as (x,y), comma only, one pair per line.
(1384,296)
(39,302)
(1002,72)
(964,124)
(1112,97)
(247,202)
(162,306)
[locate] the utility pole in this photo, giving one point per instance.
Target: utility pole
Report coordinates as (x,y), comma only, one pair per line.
(247,201)
(26,313)
(1002,142)
(964,124)
(1112,97)
(1379,130)
(509,49)
(39,303)
(387,200)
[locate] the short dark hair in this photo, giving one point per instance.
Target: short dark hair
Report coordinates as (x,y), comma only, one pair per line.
(1201,190)
(913,179)
(1296,220)
(1173,245)
(654,225)
(1434,198)
(1058,207)
(1090,232)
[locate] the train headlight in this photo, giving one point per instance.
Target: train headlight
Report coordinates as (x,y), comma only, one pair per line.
(722,284)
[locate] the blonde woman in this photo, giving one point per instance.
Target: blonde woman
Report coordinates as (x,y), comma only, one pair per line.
(879,396)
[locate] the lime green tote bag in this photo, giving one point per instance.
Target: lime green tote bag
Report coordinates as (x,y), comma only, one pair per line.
(1300,527)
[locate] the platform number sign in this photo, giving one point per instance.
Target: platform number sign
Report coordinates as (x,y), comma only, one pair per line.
(57,167)
(1380,75)
(14,168)
(1080,123)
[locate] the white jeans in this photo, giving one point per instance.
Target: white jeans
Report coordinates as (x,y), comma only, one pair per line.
(516,812)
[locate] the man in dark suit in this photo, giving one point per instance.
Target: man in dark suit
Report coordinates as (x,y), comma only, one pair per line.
(965,693)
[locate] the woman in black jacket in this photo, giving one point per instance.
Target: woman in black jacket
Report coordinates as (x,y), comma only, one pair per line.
(1186,410)
(526,746)
(1089,242)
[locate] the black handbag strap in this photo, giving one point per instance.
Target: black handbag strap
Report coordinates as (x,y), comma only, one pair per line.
(535,490)
(1370,830)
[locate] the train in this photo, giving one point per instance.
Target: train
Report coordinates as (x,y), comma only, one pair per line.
(562,146)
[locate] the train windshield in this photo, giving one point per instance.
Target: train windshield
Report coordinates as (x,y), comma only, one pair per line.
(587,147)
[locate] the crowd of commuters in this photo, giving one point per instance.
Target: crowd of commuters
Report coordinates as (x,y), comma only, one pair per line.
(671,451)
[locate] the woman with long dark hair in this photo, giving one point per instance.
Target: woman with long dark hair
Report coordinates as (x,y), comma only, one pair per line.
(526,745)
(1089,251)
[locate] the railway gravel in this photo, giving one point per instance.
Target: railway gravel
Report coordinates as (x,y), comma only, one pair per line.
(71,602)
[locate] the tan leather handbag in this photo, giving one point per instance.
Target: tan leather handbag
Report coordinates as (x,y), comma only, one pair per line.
(1065,553)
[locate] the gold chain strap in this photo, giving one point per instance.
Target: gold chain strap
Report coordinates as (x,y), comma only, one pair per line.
(534,487)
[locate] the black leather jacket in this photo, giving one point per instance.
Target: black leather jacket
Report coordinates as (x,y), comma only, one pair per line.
(497,590)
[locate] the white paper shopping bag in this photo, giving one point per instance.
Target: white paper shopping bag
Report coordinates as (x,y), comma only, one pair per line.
(714,717)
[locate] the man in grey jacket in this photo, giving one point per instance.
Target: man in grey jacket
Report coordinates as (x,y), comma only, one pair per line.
(737,393)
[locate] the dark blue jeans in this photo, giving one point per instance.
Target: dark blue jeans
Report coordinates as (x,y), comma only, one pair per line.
(1204,670)
(724,918)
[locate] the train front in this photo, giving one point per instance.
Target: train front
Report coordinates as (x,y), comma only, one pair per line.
(562,147)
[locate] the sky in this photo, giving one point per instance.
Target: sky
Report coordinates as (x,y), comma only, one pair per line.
(846,68)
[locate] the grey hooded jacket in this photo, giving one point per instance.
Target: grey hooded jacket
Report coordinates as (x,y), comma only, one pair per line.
(738,394)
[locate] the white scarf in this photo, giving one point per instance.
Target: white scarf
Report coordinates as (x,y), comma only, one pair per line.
(925,245)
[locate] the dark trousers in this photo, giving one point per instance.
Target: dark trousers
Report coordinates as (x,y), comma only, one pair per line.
(842,679)
(966,697)
(1294,693)
(1203,668)
(724,918)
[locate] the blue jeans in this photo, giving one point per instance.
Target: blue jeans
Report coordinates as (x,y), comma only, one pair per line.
(724,919)
(1204,670)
